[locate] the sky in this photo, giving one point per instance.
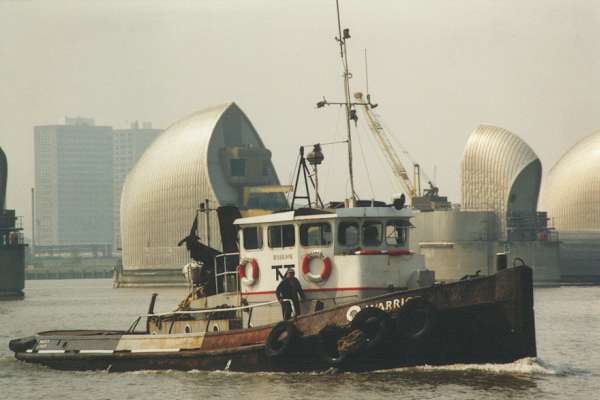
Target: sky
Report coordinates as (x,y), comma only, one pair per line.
(437,69)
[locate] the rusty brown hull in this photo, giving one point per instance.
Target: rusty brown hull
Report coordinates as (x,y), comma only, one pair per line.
(488,319)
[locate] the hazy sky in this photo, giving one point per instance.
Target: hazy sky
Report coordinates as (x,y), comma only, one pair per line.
(437,69)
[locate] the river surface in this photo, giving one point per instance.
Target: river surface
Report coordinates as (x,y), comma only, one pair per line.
(568,366)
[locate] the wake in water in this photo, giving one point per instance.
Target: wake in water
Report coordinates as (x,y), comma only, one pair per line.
(524,366)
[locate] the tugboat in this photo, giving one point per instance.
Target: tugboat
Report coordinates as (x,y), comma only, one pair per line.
(370,303)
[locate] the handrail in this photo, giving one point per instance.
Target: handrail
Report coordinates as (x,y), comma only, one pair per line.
(227,254)
(210,310)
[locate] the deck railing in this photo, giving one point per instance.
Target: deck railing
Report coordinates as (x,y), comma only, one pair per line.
(135,323)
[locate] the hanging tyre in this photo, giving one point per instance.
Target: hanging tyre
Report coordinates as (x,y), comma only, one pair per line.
(375,324)
(282,339)
(416,320)
(328,344)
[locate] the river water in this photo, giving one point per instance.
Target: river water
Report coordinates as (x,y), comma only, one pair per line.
(568,366)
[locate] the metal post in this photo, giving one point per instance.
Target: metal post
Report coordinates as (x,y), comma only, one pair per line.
(152,303)
(32,222)
(207,211)
(316,185)
(348,103)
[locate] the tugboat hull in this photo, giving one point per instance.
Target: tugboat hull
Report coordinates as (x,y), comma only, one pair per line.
(488,319)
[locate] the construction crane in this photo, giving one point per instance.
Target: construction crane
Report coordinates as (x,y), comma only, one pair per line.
(409,187)
(412,188)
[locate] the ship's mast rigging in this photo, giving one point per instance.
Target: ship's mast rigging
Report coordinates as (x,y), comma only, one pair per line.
(348,104)
(411,188)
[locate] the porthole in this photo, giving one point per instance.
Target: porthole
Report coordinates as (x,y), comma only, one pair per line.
(215,328)
(188,328)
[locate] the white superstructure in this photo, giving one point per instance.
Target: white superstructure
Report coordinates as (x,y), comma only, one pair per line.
(338,255)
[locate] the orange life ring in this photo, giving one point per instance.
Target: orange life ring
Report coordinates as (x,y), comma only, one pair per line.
(248,280)
(325,272)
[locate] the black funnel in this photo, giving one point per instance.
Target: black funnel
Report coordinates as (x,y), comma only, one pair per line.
(3,179)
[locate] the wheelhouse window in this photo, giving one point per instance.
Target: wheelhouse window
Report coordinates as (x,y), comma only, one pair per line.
(281,236)
(372,233)
(396,233)
(252,238)
(315,234)
(348,234)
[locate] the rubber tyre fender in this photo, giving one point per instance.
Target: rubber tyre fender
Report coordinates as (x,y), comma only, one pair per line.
(277,348)
(384,325)
(328,337)
(408,312)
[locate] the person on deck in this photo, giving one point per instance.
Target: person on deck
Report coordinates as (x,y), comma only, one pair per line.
(289,289)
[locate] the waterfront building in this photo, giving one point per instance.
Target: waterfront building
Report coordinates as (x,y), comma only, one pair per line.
(571,194)
(74,186)
(215,155)
(128,147)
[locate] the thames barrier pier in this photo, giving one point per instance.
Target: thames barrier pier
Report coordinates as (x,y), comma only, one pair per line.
(12,247)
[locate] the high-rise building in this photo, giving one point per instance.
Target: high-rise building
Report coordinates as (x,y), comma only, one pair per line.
(74,184)
(128,146)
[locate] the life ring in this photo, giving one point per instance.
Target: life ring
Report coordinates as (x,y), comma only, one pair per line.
(278,344)
(416,319)
(248,280)
(325,272)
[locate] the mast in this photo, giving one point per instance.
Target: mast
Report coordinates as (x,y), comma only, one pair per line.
(348,102)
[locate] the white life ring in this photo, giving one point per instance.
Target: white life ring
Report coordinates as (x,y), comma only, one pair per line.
(246,279)
(325,271)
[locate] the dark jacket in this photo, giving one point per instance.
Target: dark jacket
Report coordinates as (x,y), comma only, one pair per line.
(289,288)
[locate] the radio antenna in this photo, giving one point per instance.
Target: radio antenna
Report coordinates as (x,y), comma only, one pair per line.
(348,104)
(366,73)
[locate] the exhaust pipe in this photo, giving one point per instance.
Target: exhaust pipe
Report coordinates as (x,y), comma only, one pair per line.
(501,261)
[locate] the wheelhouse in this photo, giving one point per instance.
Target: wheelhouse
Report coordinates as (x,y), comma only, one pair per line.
(338,255)
(340,232)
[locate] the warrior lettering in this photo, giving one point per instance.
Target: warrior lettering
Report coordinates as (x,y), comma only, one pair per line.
(388,305)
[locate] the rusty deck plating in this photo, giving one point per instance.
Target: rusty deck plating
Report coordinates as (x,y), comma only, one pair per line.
(487,319)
